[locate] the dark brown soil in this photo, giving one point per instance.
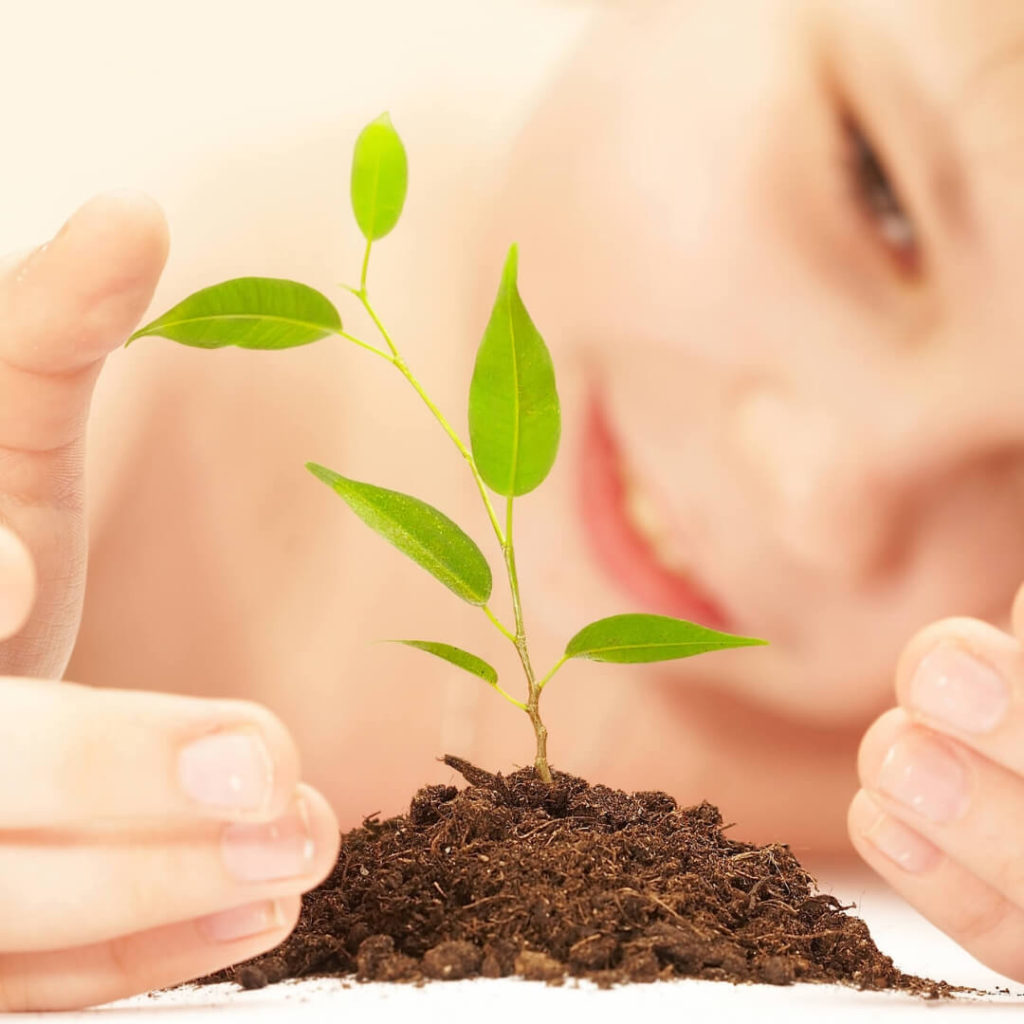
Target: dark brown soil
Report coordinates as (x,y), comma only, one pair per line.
(512,876)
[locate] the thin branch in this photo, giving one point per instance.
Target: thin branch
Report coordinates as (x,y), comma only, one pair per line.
(363,344)
(494,619)
(518,703)
(558,664)
(366,265)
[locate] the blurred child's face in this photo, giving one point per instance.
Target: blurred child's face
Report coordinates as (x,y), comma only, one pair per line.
(788,241)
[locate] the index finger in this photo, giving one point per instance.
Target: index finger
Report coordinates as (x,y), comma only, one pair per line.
(71,754)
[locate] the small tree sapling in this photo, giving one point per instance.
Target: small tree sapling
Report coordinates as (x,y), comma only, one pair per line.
(514,430)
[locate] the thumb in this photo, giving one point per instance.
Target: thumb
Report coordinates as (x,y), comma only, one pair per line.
(63,308)
(69,302)
(17,583)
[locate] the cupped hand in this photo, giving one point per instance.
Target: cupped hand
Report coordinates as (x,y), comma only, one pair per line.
(145,839)
(941,812)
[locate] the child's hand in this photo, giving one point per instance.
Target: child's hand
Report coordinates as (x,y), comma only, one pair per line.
(63,308)
(941,814)
(145,839)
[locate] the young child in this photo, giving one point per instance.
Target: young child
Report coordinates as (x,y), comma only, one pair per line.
(775,251)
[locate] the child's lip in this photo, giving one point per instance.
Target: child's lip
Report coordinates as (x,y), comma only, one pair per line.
(619,548)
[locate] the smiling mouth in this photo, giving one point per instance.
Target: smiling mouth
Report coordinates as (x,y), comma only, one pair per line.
(629,535)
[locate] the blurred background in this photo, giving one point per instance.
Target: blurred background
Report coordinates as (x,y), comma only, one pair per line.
(183,98)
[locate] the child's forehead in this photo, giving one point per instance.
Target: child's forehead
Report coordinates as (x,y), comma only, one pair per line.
(950,71)
(961,49)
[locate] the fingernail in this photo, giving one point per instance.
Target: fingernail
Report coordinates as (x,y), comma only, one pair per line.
(17,583)
(242,922)
(265,851)
(902,845)
(957,689)
(228,770)
(924,776)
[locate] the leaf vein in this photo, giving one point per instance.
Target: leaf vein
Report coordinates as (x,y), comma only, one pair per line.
(514,482)
(245,316)
(656,643)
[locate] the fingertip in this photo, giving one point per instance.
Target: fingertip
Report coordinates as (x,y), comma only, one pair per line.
(116,243)
(132,218)
(957,631)
(17,583)
(127,203)
(283,753)
(888,845)
(862,814)
(77,297)
(233,759)
(877,740)
(324,831)
(252,927)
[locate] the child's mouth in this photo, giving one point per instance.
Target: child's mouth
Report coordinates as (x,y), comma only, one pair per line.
(629,536)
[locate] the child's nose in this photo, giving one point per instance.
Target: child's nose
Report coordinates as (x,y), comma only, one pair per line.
(846,484)
(829,498)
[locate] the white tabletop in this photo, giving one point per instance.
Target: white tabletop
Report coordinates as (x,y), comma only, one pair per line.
(913,943)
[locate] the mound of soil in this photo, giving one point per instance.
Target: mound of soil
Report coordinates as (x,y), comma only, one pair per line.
(512,876)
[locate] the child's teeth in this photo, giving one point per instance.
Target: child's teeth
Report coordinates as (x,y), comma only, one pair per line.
(673,560)
(646,517)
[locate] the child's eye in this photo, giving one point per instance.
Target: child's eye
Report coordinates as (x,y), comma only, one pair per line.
(877,198)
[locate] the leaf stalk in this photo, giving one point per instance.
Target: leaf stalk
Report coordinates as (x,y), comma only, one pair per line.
(363,344)
(404,370)
(558,664)
(366,267)
(518,703)
(507,633)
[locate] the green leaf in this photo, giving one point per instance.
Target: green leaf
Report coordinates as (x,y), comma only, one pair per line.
(419,530)
(250,312)
(514,418)
(457,656)
(380,178)
(636,638)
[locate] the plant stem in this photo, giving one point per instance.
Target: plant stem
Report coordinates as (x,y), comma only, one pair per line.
(518,638)
(400,363)
(463,450)
(540,762)
(368,306)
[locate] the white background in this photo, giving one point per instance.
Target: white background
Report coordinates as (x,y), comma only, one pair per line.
(104,93)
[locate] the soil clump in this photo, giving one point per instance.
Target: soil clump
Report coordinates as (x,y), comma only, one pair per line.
(510,876)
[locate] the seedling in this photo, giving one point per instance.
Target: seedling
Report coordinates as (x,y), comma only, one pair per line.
(514,430)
